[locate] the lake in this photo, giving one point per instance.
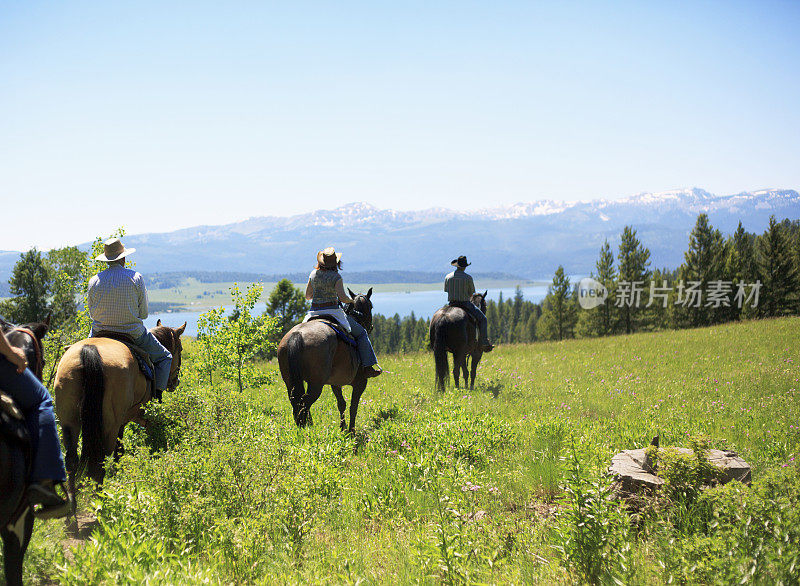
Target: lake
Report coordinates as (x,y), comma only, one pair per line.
(422,303)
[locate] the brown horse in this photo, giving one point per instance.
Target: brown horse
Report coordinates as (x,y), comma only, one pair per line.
(452,330)
(312,353)
(16,516)
(99,389)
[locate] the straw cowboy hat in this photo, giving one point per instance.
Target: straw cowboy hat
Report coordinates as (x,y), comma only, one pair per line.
(329,258)
(461,261)
(114,249)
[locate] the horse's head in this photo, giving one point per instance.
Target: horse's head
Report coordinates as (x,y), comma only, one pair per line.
(361,309)
(28,338)
(479,300)
(170,338)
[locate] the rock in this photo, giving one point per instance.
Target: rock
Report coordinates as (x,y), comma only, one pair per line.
(635,473)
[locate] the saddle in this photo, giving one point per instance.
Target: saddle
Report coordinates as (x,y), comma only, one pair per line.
(12,422)
(463,305)
(340,333)
(142,358)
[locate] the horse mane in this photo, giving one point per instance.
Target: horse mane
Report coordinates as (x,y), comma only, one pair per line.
(166,336)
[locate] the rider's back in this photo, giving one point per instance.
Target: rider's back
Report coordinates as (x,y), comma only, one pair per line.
(324,283)
(118,301)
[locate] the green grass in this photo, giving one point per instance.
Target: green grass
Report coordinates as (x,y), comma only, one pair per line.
(503,484)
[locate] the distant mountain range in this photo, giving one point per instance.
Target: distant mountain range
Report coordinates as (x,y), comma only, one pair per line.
(525,239)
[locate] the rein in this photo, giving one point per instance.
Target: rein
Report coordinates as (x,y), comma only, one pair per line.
(37,350)
(358,315)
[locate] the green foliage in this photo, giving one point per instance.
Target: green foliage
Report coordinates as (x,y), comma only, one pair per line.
(634,260)
(230,344)
(747,535)
(30,288)
(779,278)
(703,263)
(685,474)
(559,309)
(287,303)
(592,532)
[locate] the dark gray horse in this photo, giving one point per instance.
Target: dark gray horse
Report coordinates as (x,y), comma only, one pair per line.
(16,514)
(312,353)
(453,330)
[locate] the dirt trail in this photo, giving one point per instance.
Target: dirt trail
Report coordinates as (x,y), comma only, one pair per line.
(86,524)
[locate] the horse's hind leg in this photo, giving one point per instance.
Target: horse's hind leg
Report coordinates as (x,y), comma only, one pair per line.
(341,404)
(358,388)
(69,436)
(312,394)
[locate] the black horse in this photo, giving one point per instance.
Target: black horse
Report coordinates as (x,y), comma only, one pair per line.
(16,514)
(312,353)
(453,330)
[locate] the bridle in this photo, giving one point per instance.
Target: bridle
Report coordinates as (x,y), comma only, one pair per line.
(37,350)
(174,372)
(360,316)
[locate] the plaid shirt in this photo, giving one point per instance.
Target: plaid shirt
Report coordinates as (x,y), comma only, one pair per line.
(118,301)
(459,286)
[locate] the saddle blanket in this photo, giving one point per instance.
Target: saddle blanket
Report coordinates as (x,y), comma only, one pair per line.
(145,365)
(341,334)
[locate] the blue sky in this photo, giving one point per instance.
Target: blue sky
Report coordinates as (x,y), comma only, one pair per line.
(161,115)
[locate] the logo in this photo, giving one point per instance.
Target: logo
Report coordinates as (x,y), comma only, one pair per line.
(591,293)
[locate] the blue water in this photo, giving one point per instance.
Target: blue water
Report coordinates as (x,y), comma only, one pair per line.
(422,303)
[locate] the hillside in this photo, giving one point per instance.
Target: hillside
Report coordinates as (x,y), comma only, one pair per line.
(222,487)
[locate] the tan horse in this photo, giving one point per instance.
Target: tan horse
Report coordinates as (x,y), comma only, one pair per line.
(98,390)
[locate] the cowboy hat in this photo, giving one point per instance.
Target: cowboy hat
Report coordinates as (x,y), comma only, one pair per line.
(461,261)
(114,249)
(329,258)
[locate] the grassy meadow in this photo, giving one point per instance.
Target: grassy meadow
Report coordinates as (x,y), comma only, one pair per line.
(503,484)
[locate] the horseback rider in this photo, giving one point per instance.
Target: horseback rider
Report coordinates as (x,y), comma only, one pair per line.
(325,289)
(32,398)
(118,303)
(460,287)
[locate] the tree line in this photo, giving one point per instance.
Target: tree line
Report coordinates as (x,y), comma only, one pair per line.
(722,278)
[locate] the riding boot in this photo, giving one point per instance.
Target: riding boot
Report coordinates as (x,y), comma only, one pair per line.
(44,493)
(371,371)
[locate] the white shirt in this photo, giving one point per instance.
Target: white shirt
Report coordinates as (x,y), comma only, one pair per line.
(118,301)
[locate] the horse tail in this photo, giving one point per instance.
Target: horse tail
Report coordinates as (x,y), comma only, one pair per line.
(92,411)
(294,350)
(439,336)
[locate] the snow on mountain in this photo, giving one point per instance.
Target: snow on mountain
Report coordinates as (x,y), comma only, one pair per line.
(526,238)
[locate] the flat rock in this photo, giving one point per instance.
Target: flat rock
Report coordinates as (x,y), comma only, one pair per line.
(634,473)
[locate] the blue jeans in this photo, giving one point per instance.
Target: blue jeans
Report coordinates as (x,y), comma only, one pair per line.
(36,404)
(161,357)
(365,350)
(477,314)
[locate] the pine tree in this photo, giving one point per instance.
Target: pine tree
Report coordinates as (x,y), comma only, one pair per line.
(634,260)
(29,284)
(704,263)
(741,267)
(288,304)
(559,314)
(777,271)
(600,321)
